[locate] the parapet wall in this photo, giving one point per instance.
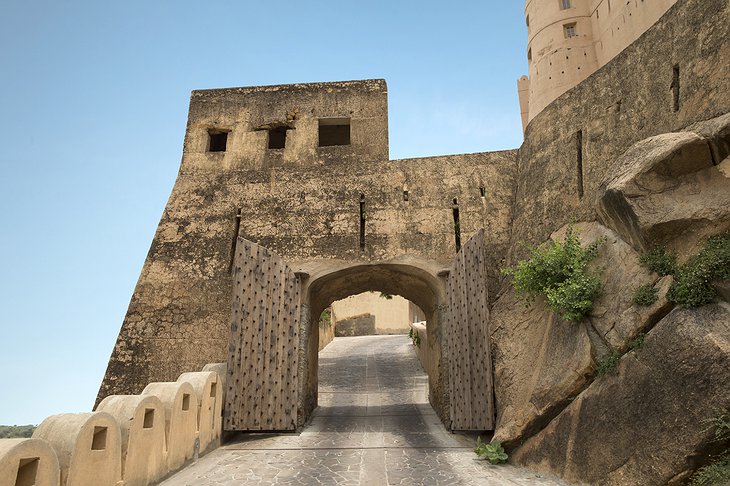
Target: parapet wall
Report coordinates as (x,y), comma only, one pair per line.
(674,75)
(134,440)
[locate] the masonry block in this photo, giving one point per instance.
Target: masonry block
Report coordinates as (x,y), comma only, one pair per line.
(209,393)
(141,419)
(28,462)
(88,446)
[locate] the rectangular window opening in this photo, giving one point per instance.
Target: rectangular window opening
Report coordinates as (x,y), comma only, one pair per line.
(213,390)
(27,471)
(149,418)
(569,30)
(277,138)
(217,140)
(482,191)
(564,4)
(186,402)
(579,156)
(405,195)
(98,443)
(334,131)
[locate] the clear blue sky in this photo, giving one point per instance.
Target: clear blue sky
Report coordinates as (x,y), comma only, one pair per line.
(93,98)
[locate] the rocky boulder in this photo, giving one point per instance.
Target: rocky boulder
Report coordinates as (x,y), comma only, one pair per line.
(542,362)
(643,426)
(671,189)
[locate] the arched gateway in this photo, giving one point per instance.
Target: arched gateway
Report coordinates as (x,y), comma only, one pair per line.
(285,202)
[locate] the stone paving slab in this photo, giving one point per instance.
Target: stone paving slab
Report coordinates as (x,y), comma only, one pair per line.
(373,426)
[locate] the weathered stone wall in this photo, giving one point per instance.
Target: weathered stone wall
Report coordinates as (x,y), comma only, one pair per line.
(303,203)
(627,100)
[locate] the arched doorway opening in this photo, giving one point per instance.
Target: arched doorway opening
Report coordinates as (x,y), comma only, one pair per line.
(417,282)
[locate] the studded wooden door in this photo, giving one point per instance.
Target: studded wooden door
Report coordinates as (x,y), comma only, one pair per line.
(467,339)
(261,390)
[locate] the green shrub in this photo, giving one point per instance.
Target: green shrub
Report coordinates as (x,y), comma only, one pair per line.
(325,318)
(608,365)
(717,473)
(558,272)
(638,341)
(659,260)
(646,295)
(492,452)
(16,431)
(693,281)
(413,334)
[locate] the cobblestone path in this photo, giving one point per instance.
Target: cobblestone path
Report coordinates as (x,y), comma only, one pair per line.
(373,426)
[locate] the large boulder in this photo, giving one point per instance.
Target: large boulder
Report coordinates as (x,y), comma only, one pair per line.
(670,190)
(643,426)
(541,362)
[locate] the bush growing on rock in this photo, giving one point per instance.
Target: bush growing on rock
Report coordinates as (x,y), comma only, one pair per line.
(558,271)
(693,281)
(659,260)
(646,295)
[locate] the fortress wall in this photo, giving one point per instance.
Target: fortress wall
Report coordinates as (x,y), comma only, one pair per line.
(304,206)
(629,99)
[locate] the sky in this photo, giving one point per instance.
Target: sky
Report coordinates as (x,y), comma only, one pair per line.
(93,107)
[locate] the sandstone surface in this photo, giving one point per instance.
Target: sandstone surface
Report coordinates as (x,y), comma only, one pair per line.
(542,361)
(644,424)
(669,190)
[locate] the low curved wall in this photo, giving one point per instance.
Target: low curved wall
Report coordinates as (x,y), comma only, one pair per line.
(130,440)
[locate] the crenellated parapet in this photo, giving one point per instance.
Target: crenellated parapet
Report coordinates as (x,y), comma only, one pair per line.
(130,440)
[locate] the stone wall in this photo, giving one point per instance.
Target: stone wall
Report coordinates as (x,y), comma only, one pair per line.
(627,100)
(303,203)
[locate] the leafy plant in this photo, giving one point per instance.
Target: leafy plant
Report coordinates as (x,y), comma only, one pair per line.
(325,318)
(718,471)
(413,334)
(638,341)
(608,365)
(492,452)
(558,271)
(693,281)
(646,295)
(659,260)
(385,295)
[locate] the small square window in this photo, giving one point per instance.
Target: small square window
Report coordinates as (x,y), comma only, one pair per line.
(186,402)
(149,418)
(569,30)
(565,4)
(27,471)
(98,442)
(217,140)
(277,138)
(334,131)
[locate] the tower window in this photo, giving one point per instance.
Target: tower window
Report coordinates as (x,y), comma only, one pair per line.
(217,140)
(569,30)
(529,54)
(277,138)
(565,4)
(334,131)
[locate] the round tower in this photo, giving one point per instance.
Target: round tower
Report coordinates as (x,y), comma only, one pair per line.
(560,49)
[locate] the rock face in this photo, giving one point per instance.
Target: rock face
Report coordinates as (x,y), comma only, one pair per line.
(671,189)
(643,425)
(542,361)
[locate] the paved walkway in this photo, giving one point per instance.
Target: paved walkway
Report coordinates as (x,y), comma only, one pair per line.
(373,426)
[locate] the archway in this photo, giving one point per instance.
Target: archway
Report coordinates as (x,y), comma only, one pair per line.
(417,281)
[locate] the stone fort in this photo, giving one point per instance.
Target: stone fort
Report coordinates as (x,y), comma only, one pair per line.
(286,201)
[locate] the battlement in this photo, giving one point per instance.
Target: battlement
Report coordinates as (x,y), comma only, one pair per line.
(299,124)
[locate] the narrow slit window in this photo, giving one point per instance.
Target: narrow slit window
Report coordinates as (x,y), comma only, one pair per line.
(27,471)
(569,30)
(482,191)
(675,88)
(457,225)
(217,140)
(149,418)
(98,442)
(277,138)
(565,4)
(362,222)
(334,131)
(579,161)
(213,390)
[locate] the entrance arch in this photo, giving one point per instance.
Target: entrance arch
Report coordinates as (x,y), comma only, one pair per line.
(419,281)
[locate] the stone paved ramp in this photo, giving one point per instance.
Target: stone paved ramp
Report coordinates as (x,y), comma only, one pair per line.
(374,426)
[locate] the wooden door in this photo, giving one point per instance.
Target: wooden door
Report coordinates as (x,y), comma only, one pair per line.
(261,390)
(467,339)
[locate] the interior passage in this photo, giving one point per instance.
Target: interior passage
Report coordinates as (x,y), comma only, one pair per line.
(373,426)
